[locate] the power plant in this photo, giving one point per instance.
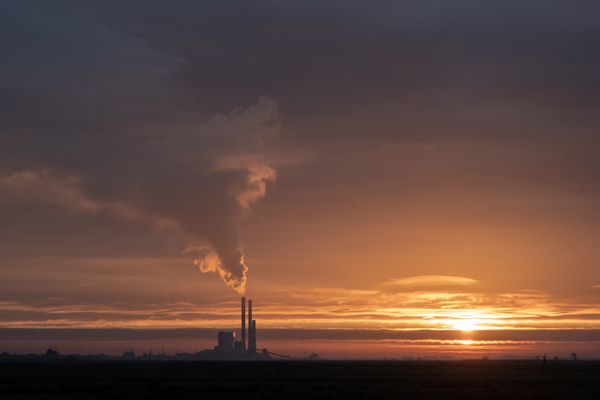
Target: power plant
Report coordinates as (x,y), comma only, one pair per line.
(228,348)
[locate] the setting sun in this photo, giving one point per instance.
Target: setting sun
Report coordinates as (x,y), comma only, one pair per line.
(466,325)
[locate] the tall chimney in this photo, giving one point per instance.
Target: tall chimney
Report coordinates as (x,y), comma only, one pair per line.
(251,331)
(252,338)
(249,322)
(244,323)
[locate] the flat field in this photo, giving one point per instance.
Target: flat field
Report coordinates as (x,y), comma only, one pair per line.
(299,380)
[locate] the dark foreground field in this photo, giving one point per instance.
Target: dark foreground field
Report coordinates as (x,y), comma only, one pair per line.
(294,380)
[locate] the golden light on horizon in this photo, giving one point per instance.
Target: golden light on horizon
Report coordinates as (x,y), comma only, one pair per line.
(465,325)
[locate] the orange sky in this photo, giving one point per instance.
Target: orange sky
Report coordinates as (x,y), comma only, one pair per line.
(350,167)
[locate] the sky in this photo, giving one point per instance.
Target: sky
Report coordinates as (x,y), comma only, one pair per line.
(370,173)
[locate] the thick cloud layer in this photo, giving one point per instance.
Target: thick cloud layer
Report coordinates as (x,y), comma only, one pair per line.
(92,125)
(439,138)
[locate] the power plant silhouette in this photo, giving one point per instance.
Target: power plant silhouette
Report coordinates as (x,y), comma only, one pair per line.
(227,345)
(228,348)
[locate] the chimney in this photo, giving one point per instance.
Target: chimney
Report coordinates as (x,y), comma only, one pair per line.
(249,322)
(244,322)
(252,337)
(251,329)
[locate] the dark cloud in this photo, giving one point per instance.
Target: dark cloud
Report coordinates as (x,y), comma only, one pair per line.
(161,120)
(94,125)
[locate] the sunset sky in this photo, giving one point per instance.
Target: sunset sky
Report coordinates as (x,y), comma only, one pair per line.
(388,178)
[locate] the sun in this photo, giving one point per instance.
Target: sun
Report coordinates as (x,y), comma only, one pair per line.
(465,325)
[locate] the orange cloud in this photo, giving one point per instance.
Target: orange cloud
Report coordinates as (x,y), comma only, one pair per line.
(289,306)
(432,280)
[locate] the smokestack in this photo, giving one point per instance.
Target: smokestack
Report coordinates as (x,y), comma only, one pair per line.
(251,329)
(244,322)
(249,322)
(252,337)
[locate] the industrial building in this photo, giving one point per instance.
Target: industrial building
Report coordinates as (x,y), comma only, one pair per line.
(245,348)
(225,342)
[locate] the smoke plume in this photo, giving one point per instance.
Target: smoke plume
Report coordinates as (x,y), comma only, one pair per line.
(222,253)
(195,187)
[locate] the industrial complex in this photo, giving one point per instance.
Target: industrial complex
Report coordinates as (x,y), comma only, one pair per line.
(229,347)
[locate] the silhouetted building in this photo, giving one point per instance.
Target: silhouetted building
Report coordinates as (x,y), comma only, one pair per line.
(225,341)
(251,331)
(52,353)
(244,322)
(252,337)
(128,355)
(228,348)
(238,347)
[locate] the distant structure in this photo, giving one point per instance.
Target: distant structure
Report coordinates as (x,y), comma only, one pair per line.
(224,342)
(228,348)
(243,345)
(52,352)
(128,355)
(251,329)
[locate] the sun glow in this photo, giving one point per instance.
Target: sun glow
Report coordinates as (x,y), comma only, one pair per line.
(465,325)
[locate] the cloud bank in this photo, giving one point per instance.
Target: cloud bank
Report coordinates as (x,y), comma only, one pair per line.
(99,128)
